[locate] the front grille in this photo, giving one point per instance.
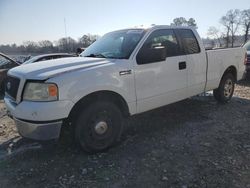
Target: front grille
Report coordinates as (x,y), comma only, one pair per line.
(11,86)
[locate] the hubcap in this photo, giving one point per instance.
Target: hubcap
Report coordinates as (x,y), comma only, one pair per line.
(228,88)
(101,127)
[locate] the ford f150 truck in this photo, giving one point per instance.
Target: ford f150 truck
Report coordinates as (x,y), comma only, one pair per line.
(126,72)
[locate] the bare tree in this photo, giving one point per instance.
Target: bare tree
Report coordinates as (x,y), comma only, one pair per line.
(224,21)
(30,46)
(85,41)
(88,39)
(213,32)
(231,22)
(67,44)
(245,17)
(45,46)
(72,44)
(62,44)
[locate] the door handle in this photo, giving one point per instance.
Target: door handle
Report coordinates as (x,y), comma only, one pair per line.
(121,73)
(182,65)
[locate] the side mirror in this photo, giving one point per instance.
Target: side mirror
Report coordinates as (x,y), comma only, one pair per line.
(151,55)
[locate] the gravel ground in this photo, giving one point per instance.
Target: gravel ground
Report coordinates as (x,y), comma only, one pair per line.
(192,143)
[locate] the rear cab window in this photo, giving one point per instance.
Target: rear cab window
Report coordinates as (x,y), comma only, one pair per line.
(189,41)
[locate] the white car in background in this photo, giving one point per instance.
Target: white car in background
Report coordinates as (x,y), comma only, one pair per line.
(45,57)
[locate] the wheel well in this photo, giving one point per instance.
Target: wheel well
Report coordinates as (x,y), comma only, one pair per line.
(231,70)
(111,96)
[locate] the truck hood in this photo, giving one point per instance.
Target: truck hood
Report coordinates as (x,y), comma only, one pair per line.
(48,69)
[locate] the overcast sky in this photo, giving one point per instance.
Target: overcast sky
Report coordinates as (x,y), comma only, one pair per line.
(22,20)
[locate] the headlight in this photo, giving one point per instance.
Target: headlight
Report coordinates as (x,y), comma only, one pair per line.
(40,92)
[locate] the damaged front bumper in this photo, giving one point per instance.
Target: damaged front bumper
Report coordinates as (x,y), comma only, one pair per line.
(38,120)
(39,130)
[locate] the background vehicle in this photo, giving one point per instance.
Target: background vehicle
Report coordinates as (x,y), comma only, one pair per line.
(126,72)
(247,47)
(6,63)
(79,50)
(45,57)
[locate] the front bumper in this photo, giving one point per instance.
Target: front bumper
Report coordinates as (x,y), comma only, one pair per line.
(38,120)
(37,130)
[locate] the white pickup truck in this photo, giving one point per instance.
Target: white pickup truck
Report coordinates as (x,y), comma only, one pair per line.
(126,72)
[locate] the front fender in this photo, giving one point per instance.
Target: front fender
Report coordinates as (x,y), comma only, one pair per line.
(76,85)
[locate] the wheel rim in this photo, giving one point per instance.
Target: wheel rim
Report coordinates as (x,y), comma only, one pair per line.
(98,130)
(228,88)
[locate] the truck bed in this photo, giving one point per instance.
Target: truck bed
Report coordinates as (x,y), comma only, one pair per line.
(217,62)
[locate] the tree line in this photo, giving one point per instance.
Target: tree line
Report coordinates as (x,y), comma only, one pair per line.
(66,44)
(235,28)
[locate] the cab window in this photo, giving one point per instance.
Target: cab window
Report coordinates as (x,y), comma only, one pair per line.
(189,41)
(164,39)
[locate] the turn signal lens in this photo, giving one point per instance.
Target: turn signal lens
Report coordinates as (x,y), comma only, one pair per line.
(53,92)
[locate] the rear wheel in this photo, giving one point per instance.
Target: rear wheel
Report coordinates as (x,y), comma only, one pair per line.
(226,89)
(98,127)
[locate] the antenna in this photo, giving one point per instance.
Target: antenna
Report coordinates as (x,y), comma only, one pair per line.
(65,31)
(65,28)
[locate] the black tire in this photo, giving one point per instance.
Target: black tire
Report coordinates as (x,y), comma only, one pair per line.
(2,89)
(98,127)
(225,91)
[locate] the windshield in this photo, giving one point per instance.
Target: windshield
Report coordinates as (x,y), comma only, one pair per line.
(117,45)
(247,46)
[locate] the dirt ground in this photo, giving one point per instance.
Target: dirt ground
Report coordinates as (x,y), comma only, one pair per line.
(192,143)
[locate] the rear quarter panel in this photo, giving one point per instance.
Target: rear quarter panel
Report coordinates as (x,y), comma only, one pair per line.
(219,60)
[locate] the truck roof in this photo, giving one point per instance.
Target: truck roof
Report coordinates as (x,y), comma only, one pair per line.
(147,28)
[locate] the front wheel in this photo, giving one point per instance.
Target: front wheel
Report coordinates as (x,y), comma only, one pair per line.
(98,126)
(226,89)
(2,88)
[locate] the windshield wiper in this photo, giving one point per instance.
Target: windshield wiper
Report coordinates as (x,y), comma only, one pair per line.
(96,55)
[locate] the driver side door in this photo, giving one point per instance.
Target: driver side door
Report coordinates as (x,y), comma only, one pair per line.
(159,82)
